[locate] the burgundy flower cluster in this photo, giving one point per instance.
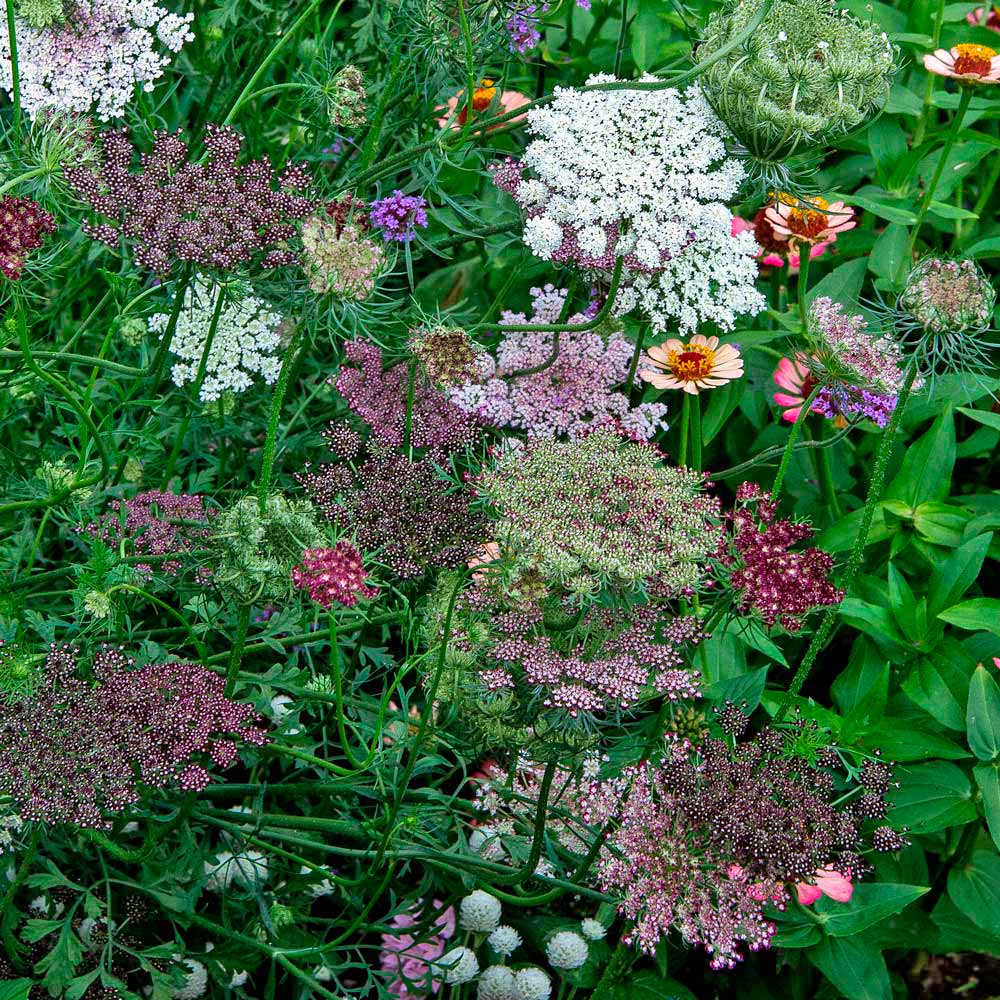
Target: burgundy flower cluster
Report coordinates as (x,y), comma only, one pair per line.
(705,839)
(379,398)
(402,512)
(217,214)
(23,227)
(156,523)
(76,750)
(333,576)
(767,577)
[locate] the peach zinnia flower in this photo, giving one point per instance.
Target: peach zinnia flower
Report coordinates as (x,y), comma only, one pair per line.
(699,364)
(482,97)
(810,220)
(983,18)
(829,882)
(971,63)
(774,252)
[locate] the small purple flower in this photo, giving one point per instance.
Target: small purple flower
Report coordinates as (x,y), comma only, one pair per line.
(398,215)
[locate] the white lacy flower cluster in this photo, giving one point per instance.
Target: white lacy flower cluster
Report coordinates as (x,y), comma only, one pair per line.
(94,59)
(245,339)
(642,175)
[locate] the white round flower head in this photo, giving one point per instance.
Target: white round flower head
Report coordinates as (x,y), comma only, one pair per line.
(532,984)
(642,175)
(592,930)
(239,979)
(479,912)
(248,870)
(245,340)
(566,950)
(279,706)
(95,58)
(196,981)
(459,965)
(504,940)
(496,983)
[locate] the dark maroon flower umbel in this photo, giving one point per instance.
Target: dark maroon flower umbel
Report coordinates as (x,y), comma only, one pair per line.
(76,750)
(23,226)
(216,214)
(767,577)
(333,576)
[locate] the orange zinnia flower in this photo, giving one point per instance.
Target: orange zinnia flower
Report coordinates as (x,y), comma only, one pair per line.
(808,220)
(698,364)
(482,98)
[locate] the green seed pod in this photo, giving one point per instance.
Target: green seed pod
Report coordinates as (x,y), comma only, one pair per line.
(809,73)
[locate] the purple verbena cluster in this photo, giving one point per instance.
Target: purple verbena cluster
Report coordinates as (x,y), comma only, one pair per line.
(574,389)
(403,513)
(156,523)
(76,750)
(379,398)
(398,215)
(24,225)
(333,576)
(768,578)
(216,214)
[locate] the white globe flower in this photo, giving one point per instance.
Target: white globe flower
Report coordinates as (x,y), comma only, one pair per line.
(496,983)
(195,982)
(504,940)
(479,912)
(532,984)
(566,950)
(460,965)
(592,930)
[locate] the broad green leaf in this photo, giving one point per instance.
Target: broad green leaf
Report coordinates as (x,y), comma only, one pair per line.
(982,717)
(975,889)
(945,211)
(927,464)
(645,985)
(988,779)
(940,683)
(956,932)
(863,686)
(989,247)
(987,417)
(798,936)
(841,536)
(950,580)
(981,613)
(869,903)
(843,283)
(931,797)
(854,967)
(889,250)
(940,523)
(900,740)
(15,989)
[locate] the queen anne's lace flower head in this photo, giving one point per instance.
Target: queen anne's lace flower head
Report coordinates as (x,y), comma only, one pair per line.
(246,337)
(95,58)
(642,175)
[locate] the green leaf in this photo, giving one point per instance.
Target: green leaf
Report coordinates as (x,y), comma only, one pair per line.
(981,613)
(945,211)
(975,888)
(956,932)
(854,967)
(989,247)
(940,523)
(646,985)
(901,741)
(841,536)
(869,903)
(950,580)
(987,417)
(982,717)
(926,470)
(888,252)
(15,989)
(988,779)
(931,797)
(799,936)
(863,686)
(843,283)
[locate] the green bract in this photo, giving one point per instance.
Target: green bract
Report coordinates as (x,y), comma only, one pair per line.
(809,73)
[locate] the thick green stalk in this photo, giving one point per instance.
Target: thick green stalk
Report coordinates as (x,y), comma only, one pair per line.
(824,474)
(236,656)
(682,451)
(858,553)
(696,442)
(803,285)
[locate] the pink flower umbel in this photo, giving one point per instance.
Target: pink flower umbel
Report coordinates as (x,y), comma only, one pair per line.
(24,224)
(828,882)
(793,377)
(482,98)
(701,363)
(813,220)
(968,63)
(333,576)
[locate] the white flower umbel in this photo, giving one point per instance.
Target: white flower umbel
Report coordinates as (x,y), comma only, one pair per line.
(642,175)
(93,60)
(479,912)
(243,346)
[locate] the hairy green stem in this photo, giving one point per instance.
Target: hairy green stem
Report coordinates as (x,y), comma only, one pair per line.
(236,655)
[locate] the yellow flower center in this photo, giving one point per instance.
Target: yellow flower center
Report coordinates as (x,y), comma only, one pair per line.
(483,95)
(973,59)
(692,364)
(805,223)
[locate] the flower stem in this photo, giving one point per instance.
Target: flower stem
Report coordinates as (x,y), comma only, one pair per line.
(15,76)
(803,285)
(636,354)
(695,431)
(26,176)
(857,555)
(824,474)
(790,444)
(236,656)
(925,205)
(270,440)
(411,383)
(682,451)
